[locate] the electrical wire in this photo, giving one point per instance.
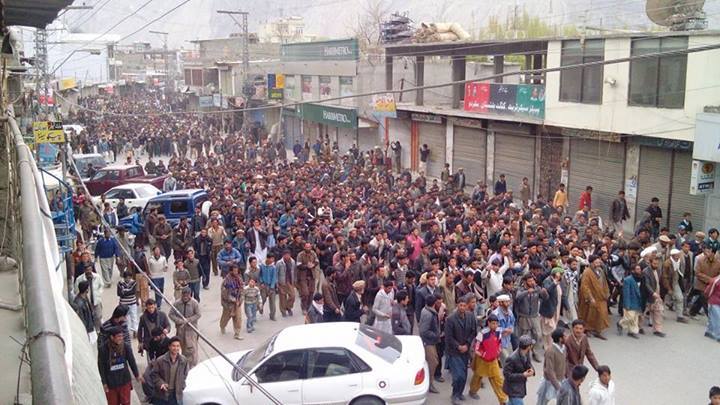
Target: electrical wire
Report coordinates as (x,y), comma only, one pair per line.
(57,66)
(653,55)
(157,291)
(155,20)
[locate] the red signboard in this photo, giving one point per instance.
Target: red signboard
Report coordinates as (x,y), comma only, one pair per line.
(477,96)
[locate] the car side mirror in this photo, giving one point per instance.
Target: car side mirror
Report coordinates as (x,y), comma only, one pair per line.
(246,381)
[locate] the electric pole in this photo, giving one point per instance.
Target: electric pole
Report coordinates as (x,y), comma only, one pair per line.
(164,35)
(243,25)
(41,69)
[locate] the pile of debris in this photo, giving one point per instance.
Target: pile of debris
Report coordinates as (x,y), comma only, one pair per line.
(440,32)
(397,29)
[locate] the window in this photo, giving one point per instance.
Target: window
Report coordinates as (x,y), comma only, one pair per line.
(179,206)
(379,343)
(120,193)
(133,172)
(330,363)
(253,358)
(660,81)
(583,84)
(287,366)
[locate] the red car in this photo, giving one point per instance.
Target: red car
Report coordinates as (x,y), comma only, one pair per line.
(111,176)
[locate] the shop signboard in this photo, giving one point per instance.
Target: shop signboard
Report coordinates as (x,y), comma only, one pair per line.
(275,94)
(217,100)
(332,116)
(433,119)
(384,105)
(206,101)
(702,177)
(343,49)
(48,132)
(505,99)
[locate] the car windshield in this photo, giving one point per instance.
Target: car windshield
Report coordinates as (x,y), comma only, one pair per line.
(251,359)
(379,343)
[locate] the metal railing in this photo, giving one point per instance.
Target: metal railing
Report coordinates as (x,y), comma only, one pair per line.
(48,371)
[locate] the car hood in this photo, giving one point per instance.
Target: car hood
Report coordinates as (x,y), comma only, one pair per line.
(212,372)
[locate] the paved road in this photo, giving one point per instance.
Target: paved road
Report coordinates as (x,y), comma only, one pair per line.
(678,369)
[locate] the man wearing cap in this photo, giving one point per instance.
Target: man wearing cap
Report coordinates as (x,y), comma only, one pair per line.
(673,278)
(115,360)
(487,348)
(663,245)
(517,369)
(506,324)
(593,296)
(655,305)
(353,305)
(186,310)
(460,179)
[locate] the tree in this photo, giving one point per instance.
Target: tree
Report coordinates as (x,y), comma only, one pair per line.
(367,27)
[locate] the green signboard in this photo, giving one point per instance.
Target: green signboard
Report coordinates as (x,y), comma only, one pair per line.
(275,94)
(344,49)
(323,114)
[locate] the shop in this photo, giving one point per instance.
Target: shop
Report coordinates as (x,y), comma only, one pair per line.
(430,131)
(470,150)
(597,163)
(514,154)
(664,172)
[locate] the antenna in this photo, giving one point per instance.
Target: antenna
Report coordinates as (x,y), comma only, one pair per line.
(678,15)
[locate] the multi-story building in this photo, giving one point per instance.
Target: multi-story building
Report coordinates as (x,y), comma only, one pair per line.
(284,30)
(613,126)
(140,62)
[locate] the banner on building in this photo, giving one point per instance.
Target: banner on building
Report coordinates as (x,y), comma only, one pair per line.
(307,92)
(48,132)
(325,87)
(344,49)
(384,105)
(505,99)
(217,100)
(67,83)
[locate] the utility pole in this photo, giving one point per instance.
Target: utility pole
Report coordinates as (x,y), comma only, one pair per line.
(164,35)
(41,69)
(243,25)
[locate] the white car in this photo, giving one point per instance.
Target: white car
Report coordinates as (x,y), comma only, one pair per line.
(323,363)
(136,195)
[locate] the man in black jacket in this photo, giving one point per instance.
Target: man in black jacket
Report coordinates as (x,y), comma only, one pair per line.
(517,369)
(460,330)
(81,305)
(151,319)
(114,358)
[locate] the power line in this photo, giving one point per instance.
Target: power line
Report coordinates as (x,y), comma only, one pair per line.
(676,52)
(101,35)
(154,20)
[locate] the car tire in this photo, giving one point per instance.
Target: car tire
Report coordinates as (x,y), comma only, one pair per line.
(367,400)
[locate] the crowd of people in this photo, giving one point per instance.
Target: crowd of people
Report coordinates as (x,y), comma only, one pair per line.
(491,283)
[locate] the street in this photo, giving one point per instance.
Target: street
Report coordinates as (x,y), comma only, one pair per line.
(646,371)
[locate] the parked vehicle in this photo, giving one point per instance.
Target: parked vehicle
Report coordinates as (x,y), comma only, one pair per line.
(111,176)
(136,195)
(322,363)
(174,205)
(82,160)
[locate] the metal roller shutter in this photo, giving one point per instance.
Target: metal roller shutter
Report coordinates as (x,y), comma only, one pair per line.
(434,136)
(346,139)
(597,164)
(681,200)
(515,158)
(368,138)
(654,180)
(469,152)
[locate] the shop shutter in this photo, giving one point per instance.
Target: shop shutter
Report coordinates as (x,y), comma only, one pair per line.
(654,180)
(470,152)
(515,158)
(681,200)
(346,139)
(600,165)
(368,138)
(434,136)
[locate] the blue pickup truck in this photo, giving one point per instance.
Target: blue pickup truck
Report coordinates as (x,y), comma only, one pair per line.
(174,205)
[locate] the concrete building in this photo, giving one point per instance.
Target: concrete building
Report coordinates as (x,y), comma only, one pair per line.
(140,62)
(284,30)
(623,126)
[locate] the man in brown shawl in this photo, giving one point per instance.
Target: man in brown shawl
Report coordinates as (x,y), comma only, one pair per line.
(593,296)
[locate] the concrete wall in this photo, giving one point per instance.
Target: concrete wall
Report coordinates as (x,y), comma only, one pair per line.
(614,115)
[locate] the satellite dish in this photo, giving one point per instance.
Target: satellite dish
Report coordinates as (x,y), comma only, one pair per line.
(677,14)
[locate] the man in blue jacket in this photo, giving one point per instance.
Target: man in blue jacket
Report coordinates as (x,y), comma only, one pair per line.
(268,284)
(228,256)
(106,249)
(632,303)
